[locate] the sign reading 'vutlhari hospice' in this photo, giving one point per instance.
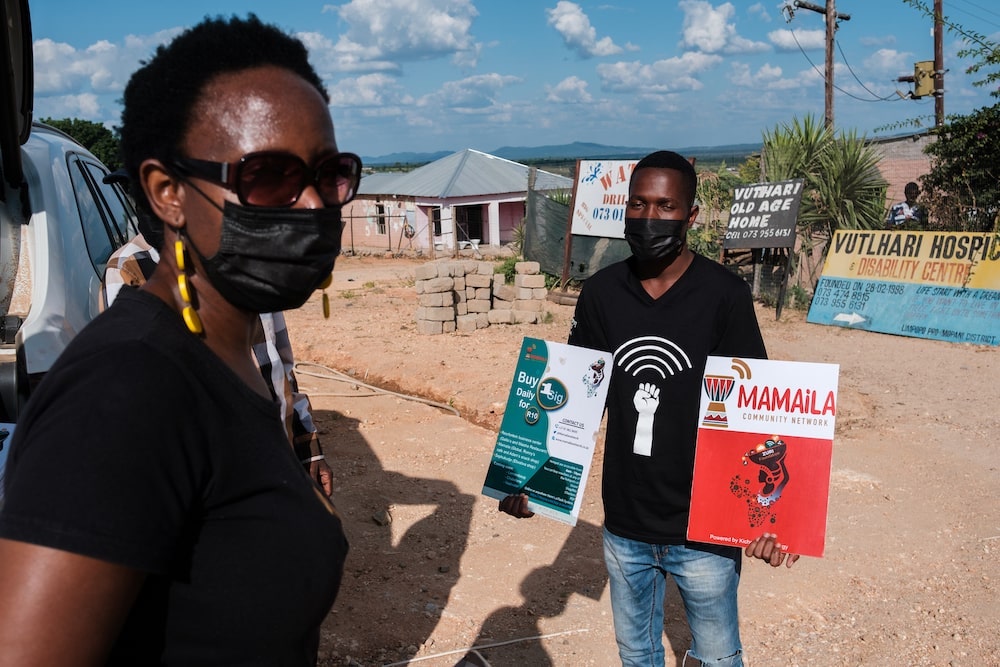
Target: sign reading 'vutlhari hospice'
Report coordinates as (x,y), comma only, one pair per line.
(762,460)
(549,430)
(939,285)
(763,215)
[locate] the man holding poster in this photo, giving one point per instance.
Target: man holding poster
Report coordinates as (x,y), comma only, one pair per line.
(661,313)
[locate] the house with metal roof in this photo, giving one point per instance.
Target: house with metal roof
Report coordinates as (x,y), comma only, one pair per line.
(461,201)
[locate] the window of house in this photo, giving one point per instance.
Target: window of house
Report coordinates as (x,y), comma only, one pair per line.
(469,220)
(380,218)
(435,214)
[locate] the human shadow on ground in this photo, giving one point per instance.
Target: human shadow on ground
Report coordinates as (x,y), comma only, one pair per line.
(398,575)
(511,635)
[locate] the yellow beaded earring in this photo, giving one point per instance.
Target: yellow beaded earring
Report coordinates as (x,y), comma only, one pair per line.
(189,313)
(326,299)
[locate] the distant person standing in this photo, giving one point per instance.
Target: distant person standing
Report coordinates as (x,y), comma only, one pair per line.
(907,212)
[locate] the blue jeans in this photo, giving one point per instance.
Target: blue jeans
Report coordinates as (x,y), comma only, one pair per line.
(707,578)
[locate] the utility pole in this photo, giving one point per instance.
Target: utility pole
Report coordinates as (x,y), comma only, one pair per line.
(938,64)
(928,75)
(830,12)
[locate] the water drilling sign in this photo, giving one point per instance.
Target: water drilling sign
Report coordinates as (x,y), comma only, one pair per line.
(939,285)
(599,196)
(549,429)
(763,215)
(762,460)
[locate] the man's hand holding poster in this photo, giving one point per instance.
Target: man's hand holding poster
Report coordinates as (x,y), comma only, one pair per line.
(765,443)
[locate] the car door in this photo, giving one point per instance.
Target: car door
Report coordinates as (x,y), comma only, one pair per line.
(60,220)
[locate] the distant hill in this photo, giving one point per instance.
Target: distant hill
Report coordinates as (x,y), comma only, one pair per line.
(403,158)
(574,151)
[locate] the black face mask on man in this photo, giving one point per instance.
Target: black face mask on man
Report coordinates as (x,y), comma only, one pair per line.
(654,239)
(272,259)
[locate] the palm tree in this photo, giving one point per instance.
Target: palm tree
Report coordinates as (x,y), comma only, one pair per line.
(843,187)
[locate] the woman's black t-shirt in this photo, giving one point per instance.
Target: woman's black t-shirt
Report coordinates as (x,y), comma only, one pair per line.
(142,449)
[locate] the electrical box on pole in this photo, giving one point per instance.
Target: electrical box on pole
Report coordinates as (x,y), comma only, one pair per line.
(923,78)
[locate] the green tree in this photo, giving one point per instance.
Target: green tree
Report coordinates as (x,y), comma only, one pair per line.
(96,138)
(843,188)
(749,170)
(715,197)
(962,190)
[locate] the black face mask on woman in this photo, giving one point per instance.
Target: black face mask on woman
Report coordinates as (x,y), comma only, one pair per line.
(654,239)
(272,259)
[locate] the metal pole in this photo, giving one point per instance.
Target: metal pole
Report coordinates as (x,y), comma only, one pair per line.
(568,244)
(938,64)
(831,25)
(830,12)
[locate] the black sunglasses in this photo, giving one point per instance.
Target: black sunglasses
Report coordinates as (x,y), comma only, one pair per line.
(277,179)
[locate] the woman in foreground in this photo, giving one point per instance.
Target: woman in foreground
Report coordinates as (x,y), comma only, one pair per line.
(154,511)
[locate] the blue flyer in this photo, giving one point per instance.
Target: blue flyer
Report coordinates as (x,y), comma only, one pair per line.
(549,430)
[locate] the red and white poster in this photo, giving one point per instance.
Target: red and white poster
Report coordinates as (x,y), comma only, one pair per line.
(765,444)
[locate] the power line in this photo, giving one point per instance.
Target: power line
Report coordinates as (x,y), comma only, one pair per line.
(891,98)
(975,16)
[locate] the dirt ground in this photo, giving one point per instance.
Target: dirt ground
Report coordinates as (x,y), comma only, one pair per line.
(910,573)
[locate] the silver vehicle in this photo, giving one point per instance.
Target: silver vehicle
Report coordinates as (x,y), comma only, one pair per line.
(59,223)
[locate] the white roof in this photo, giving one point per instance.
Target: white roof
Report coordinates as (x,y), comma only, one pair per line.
(468,173)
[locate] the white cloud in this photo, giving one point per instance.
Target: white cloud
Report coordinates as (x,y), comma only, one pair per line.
(102,67)
(474,92)
(368,90)
(706,27)
(759,10)
(792,40)
(662,76)
(709,29)
(771,78)
(890,61)
(740,46)
(572,23)
(84,105)
(52,66)
(84,83)
(345,56)
(571,90)
(383,30)
(741,75)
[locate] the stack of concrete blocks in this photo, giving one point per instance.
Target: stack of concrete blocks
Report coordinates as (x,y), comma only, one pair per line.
(445,298)
(468,295)
(520,303)
(478,297)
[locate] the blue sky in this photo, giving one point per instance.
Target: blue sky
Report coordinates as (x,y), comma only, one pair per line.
(434,75)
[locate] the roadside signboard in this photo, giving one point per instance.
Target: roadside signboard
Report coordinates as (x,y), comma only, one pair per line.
(599,196)
(763,215)
(939,285)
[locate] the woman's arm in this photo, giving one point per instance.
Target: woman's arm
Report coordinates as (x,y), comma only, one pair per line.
(60,608)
